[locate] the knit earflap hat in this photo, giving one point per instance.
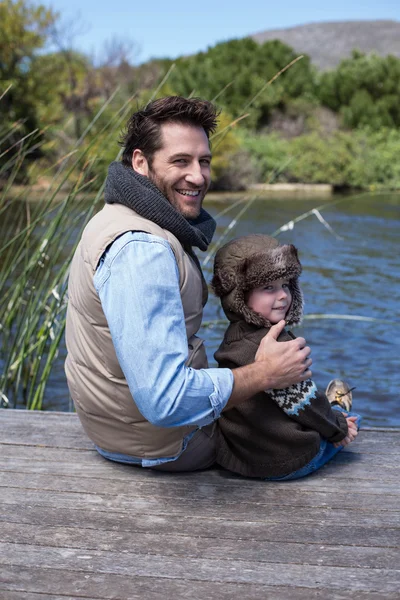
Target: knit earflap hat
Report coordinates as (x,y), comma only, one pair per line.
(250,262)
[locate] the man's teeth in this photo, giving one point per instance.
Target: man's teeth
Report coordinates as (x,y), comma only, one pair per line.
(189,193)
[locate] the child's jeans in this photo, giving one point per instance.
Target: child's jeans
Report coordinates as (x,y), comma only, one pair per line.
(326,452)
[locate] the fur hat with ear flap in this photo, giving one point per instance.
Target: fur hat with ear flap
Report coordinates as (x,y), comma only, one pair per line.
(250,262)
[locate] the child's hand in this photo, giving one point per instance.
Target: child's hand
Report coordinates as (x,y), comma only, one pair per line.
(351,433)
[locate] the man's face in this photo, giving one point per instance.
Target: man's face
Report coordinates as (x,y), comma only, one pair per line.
(181,169)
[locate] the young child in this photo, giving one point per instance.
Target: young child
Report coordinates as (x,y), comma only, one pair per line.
(277,434)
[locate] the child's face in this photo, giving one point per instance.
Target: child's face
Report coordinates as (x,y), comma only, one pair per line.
(272,300)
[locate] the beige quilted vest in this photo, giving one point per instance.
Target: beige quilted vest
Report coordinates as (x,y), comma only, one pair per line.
(96,383)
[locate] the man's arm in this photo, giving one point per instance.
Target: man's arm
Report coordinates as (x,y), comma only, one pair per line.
(138,285)
(276,366)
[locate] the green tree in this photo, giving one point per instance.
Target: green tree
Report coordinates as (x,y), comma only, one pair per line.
(234,72)
(355,159)
(66,84)
(23,31)
(365,90)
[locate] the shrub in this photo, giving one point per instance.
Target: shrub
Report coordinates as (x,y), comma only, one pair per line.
(356,159)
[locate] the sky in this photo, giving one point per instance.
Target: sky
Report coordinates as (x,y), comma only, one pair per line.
(164,28)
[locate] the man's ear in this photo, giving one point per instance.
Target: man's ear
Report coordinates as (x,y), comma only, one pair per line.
(139,163)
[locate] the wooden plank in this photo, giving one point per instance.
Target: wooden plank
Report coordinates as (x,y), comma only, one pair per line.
(222,570)
(75,440)
(202,547)
(204,508)
(91,465)
(15,417)
(48,429)
(356,451)
(24,595)
(108,586)
(341,468)
(231,492)
(267,495)
(344,464)
(63,419)
(17,427)
(52,454)
(361,446)
(370,460)
(357,469)
(41,453)
(326,532)
(9,414)
(216,484)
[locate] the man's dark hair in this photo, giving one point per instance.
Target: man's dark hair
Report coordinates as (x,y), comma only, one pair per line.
(143,130)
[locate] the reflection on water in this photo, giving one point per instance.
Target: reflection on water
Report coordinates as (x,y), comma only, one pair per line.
(356,275)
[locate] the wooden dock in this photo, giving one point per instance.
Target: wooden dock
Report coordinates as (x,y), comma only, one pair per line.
(74,525)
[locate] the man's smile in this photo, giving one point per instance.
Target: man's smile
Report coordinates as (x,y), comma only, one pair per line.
(193,193)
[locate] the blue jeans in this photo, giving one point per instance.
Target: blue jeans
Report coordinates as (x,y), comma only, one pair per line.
(326,452)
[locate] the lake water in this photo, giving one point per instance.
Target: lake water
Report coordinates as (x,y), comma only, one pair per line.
(355,277)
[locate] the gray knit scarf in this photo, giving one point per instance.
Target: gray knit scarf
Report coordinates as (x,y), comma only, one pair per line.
(125,186)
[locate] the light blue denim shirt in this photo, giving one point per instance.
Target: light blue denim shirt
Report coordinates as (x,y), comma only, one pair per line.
(138,284)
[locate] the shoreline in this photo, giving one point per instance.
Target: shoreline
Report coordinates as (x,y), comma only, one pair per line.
(320,189)
(278,191)
(266,191)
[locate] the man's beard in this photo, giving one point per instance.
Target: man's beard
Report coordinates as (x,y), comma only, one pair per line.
(168,193)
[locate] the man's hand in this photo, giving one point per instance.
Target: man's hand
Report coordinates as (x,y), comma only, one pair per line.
(285,363)
(277,365)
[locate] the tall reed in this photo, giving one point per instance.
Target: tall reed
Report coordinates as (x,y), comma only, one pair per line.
(36,258)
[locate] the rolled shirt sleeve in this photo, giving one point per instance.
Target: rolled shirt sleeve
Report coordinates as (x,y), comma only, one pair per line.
(138,284)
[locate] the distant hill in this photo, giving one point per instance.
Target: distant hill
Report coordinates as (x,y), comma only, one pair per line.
(328,43)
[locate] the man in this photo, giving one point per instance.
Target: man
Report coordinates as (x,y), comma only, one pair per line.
(136,370)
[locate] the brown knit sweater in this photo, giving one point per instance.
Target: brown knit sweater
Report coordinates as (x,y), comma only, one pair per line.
(275,432)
